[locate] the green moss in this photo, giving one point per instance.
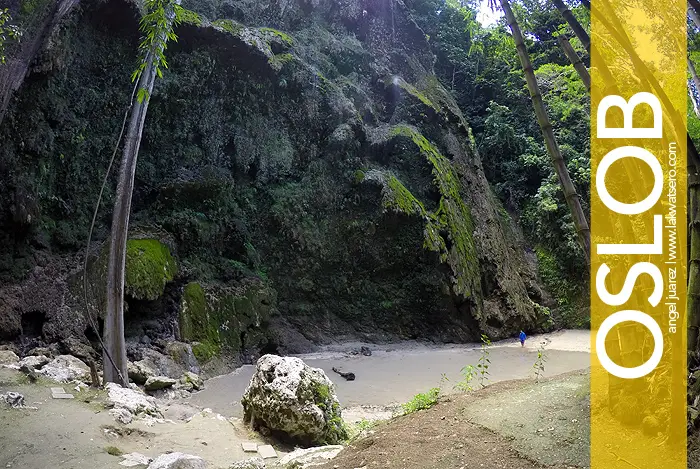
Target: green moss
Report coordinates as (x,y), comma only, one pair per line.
(279,60)
(413,91)
(453,215)
(284,37)
(113,451)
(230,26)
(189,17)
(205,351)
(149,266)
(193,317)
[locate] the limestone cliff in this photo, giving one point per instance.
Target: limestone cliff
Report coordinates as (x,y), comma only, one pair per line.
(302,145)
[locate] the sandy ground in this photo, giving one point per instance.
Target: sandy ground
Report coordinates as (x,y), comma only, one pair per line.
(395,374)
(74,434)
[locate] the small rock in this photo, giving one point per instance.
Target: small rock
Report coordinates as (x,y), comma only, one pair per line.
(134,401)
(365,351)
(135,460)
(193,379)
(252,463)
(178,461)
(66,368)
(13,399)
(122,416)
(154,383)
(34,361)
(8,357)
(139,372)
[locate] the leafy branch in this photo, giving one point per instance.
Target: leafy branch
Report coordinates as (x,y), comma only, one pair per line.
(7,32)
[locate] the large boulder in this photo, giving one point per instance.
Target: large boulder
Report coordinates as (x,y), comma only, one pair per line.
(66,368)
(294,401)
(8,358)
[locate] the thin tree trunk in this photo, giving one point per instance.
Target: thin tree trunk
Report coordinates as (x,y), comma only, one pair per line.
(580,32)
(586,4)
(575,61)
(572,198)
(114,322)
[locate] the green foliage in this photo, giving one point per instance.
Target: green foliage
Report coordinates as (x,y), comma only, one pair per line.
(482,366)
(469,372)
(7,32)
(156,26)
(422,401)
(538,367)
(284,37)
(149,266)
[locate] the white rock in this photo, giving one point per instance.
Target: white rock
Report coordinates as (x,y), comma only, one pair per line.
(66,368)
(133,401)
(34,362)
(311,456)
(121,415)
(135,460)
(252,463)
(178,461)
(289,396)
(8,357)
(154,383)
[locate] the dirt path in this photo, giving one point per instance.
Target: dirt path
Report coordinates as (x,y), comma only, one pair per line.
(514,431)
(396,374)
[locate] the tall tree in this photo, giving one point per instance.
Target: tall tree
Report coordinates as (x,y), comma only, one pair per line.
(572,198)
(157,29)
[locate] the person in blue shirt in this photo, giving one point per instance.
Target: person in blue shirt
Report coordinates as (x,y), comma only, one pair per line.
(522,339)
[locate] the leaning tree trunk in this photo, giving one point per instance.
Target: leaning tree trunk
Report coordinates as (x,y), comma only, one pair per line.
(116,368)
(579,30)
(572,198)
(586,4)
(115,362)
(575,61)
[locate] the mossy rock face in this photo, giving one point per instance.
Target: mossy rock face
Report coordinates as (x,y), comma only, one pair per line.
(149,266)
(233,320)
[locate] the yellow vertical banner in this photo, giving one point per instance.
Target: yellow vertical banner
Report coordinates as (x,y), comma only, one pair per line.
(638,232)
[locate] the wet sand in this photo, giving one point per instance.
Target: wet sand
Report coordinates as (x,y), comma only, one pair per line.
(394,374)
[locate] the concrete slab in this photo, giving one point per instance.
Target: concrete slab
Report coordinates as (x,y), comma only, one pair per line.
(62,396)
(57,391)
(249,447)
(267,452)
